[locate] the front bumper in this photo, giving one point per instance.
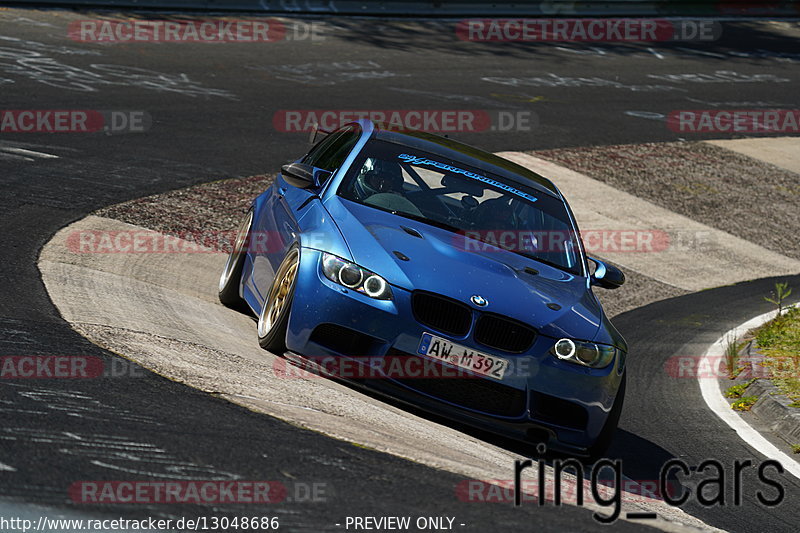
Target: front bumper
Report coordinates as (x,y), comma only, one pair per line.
(539,399)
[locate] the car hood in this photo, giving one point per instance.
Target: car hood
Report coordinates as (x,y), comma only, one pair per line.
(556,303)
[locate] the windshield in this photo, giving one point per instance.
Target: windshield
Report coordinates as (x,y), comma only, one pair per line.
(487,211)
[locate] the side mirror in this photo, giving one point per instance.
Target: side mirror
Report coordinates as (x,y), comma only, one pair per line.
(304,176)
(607,276)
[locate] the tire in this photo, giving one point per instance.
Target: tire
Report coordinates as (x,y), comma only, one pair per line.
(597,450)
(231,276)
(274,317)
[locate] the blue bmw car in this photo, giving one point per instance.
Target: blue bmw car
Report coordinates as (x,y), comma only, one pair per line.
(384,244)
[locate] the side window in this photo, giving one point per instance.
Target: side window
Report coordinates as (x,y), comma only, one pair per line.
(318,149)
(332,151)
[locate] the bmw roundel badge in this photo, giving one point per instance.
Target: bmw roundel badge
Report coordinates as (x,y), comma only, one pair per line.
(479,300)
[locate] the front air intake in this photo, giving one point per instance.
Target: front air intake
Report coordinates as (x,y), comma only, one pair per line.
(503,333)
(441,313)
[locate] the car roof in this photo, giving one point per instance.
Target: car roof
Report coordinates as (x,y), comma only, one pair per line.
(469,155)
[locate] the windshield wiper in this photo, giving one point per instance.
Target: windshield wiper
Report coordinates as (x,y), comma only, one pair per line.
(545,261)
(527,255)
(429,221)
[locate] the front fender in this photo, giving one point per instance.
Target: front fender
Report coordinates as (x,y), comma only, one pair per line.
(319,231)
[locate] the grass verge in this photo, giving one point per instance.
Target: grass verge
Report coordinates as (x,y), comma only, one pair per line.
(779,341)
(736,391)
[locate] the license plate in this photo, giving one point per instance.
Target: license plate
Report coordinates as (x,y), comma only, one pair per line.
(462,357)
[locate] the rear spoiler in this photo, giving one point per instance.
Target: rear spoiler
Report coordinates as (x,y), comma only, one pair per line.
(315,129)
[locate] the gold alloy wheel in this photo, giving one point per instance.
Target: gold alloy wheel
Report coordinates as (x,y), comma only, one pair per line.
(279,294)
(238,247)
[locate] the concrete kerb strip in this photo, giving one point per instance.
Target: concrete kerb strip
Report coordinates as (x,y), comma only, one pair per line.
(720,406)
(783,152)
(773,408)
(171,322)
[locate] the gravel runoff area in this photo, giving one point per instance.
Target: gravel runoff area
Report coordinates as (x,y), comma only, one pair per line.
(209,207)
(731,192)
(728,191)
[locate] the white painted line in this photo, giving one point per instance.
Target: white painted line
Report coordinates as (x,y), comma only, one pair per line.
(11,157)
(6,468)
(22,151)
(701,52)
(719,405)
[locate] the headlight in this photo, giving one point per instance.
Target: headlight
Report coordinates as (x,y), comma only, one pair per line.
(584,353)
(354,277)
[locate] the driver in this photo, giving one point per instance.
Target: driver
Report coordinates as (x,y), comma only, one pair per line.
(383,187)
(381,177)
(495,215)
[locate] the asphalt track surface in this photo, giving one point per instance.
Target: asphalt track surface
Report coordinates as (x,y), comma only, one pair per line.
(220,125)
